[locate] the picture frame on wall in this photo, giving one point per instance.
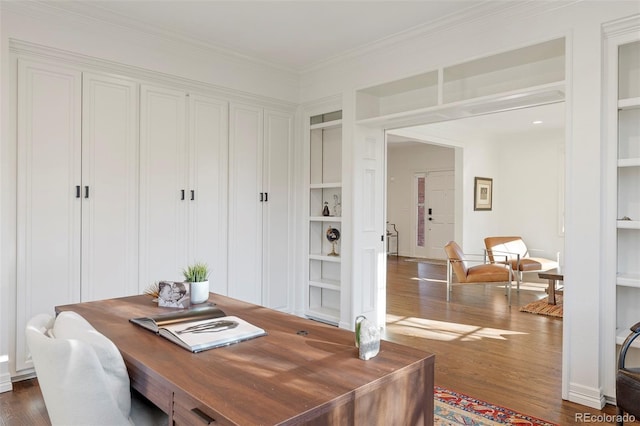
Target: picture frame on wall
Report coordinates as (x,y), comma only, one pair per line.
(483,193)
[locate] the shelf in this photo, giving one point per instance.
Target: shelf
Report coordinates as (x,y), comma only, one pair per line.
(325,185)
(628,224)
(327,284)
(328,315)
(325,219)
(324,258)
(629,162)
(327,125)
(628,280)
(621,336)
(629,103)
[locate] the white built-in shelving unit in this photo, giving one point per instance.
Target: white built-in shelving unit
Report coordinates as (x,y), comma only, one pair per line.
(325,190)
(622,112)
(536,72)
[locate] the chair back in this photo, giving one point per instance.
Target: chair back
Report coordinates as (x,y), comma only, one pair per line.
(83,380)
(456,259)
(506,246)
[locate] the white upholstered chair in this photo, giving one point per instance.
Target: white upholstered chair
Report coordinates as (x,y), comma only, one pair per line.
(519,256)
(82,375)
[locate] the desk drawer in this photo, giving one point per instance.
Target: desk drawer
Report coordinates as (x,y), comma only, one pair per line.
(188,411)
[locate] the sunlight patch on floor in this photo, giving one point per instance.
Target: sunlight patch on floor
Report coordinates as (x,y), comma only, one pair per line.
(429,279)
(444,331)
(527,286)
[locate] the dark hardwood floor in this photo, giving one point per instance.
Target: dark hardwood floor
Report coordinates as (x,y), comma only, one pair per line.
(483,348)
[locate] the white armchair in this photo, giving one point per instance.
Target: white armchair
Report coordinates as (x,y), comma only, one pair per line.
(82,375)
(518,255)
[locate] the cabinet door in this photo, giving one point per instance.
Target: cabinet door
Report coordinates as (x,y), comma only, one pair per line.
(163,184)
(48,212)
(245,207)
(110,187)
(278,139)
(208,134)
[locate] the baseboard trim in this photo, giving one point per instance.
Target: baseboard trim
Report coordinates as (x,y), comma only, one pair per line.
(5,377)
(583,395)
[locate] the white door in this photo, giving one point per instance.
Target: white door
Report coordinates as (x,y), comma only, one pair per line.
(208,133)
(433,213)
(278,139)
(440,212)
(48,209)
(164,192)
(246,199)
(109,187)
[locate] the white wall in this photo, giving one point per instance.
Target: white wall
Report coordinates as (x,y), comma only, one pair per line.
(528,187)
(45,26)
(528,191)
(403,161)
(525,24)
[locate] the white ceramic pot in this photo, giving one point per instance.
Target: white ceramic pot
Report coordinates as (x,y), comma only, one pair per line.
(199,292)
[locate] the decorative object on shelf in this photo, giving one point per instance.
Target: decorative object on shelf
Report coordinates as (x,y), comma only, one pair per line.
(483,193)
(337,207)
(173,294)
(367,338)
(333,235)
(325,210)
(197,275)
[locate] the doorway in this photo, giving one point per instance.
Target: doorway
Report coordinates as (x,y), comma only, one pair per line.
(433,213)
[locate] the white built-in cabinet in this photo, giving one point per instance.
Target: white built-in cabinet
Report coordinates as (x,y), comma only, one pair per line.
(260,143)
(183,164)
(324,269)
(77,190)
(122,182)
(622,146)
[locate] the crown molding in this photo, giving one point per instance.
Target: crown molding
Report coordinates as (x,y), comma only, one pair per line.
(621,27)
(89,63)
(483,13)
(82,11)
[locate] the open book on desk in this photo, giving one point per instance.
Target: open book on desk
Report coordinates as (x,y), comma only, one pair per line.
(201,330)
(154,322)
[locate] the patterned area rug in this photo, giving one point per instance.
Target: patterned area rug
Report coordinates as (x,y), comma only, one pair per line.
(453,408)
(543,308)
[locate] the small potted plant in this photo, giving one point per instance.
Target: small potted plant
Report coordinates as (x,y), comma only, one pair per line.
(197,275)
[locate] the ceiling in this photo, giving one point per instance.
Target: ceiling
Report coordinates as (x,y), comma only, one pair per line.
(295,35)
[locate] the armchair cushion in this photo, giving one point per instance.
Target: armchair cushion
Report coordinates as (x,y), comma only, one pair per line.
(491,272)
(70,325)
(71,378)
(517,253)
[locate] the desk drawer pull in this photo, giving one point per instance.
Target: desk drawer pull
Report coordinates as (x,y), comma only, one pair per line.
(203,416)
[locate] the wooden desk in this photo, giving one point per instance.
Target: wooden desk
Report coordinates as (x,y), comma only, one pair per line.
(302,372)
(553,276)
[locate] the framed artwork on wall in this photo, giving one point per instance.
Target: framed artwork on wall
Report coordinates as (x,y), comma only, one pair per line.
(483,193)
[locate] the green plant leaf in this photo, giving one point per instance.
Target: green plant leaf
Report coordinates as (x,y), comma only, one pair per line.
(198,272)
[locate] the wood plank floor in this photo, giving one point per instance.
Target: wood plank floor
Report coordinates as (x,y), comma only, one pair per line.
(483,348)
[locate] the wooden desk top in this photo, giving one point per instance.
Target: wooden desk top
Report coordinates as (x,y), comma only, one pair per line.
(297,371)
